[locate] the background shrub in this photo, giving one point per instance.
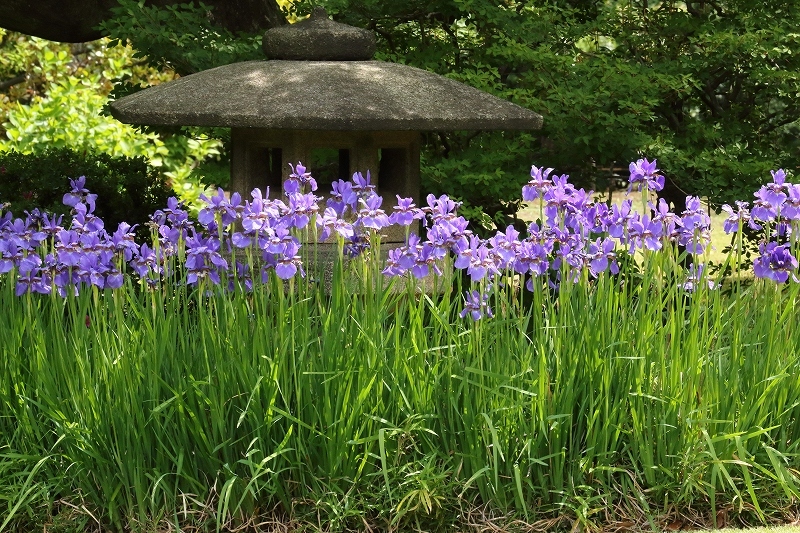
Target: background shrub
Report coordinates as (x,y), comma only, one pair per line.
(128,189)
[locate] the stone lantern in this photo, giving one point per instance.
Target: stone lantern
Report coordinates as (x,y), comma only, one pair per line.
(322,100)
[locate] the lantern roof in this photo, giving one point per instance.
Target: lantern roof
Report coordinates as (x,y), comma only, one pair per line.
(322,79)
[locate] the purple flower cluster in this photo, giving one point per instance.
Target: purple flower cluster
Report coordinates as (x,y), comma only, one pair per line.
(776,212)
(574,236)
(645,176)
(46,257)
(235,241)
(353,213)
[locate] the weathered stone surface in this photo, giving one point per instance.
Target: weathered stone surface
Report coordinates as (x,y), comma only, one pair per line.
(319,39)
(76,20)
(315,95)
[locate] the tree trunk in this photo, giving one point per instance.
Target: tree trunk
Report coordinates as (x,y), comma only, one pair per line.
(75,21)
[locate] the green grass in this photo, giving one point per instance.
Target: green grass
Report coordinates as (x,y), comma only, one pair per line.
(618,401)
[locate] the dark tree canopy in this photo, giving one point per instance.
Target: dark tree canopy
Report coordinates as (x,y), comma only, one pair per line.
(77,20)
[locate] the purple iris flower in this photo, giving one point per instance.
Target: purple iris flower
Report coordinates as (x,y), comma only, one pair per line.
(301,208)
(571,248)
(644,233)
(426,259)
(465,252)
(93,242)
(602,256)
(240,240)
(123,241)
(289,263)
(596,217)
(409,253)
(778,176)
(558,200)
(533,257)
(539,184)
(203,259)
(441,208)
(84,221)
(695,233)
(775,262)
(767,204)
(92,270)
(505,246)
(563,202)
(362,185)
(10,254)
(29,263)
(671,222)
(644,175)
(146,262)
(34,217)
(371,215)
(279,241)
(170,237)
(68,247)
(6,218)
(79,194)
(173,221)
(24,236)
(330,223)
(477,259)
(393,266)
(219,206)
(356,245)
(405,212)
(403,258)
(450,233)
(78,185)
(740,216)
(777,189)
(114,279)
(30,277)
(343,197)
(476,305)
(51,224)
(620,217)
(298,180)
(260,213)
(483,265)
(791,208)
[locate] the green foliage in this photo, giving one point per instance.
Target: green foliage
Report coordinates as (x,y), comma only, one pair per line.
(729,111)
(70,116)
(129,190)
(60,100)
(179,36)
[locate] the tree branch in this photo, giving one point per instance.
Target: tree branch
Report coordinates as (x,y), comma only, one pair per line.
(454,42)
(13,81)
(385,34)
(766,130)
